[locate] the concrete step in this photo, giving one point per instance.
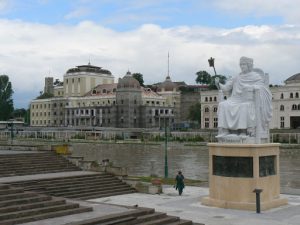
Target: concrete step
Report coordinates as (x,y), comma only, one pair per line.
(10,191)
(47,215)
(122,221)
(55,182)
(21,207)
(34,163)
(37,198)
(32,172)
(36,211)
(114,217)
(182,222)
(150,217)
(36,170)
(4,186)
(108,192)
(140,216)
(97,195)
(32,205)
(85,187)
(16,196)
(165,220)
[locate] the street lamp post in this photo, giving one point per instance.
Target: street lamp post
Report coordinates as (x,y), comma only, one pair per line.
(166,150)
(11,132)
(211,63)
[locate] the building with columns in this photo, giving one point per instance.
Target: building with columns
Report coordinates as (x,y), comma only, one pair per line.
(88,96)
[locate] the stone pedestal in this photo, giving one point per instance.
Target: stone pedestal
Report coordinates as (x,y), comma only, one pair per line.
(235,170)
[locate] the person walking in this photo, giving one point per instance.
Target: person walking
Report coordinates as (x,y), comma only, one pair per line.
(179,185)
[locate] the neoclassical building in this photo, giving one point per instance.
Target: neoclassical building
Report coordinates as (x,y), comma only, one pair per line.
(88,96)
(285,103)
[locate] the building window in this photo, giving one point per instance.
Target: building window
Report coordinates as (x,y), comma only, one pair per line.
(281,96)
(282,122)
(206,99)
(215,109)
(294,107)
(67,81)
(134,101)
(225,97)
(122,101)
(298,106)
(210,99)
(297,95)
(72,80)
(215,98)
(150,120)
(206,122)
(282,108)
(215,122)
(291,95)
(134,111)
(206,109)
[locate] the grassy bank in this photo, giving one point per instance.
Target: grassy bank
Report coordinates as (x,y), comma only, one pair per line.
(171,181)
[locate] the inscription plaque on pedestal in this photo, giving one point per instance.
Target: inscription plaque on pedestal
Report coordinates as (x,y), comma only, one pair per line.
(267,165)
(230,166)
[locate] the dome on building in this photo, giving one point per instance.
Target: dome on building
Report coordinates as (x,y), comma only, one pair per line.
(293,79)
(167,85)
(128,82)
(89,69)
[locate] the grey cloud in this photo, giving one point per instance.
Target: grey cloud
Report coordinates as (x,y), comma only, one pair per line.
(30,51)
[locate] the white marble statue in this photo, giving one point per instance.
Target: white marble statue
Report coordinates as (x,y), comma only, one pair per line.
(245,115)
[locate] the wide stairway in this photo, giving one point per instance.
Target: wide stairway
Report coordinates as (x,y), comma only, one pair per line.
(33,163)
(78,187)
(17,206)
(140,216)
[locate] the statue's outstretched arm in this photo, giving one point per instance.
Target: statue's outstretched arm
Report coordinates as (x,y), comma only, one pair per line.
(227,86)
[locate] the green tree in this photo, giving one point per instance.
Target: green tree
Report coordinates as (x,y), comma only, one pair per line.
(6,101)
(139,78)
(203,77)
(195,112)
(45,95)
(19,113)
(27,116)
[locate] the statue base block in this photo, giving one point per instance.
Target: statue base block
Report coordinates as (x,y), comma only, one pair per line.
(236,170)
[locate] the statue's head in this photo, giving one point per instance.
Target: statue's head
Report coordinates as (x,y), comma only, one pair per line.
(246,64)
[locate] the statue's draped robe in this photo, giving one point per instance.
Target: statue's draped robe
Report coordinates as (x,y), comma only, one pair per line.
(238,111)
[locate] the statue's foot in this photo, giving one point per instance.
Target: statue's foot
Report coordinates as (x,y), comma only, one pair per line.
(222,135)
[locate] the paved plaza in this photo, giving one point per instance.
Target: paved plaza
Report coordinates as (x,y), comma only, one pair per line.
(188,206)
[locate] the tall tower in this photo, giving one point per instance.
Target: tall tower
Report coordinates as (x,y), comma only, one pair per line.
(49,88)
(129,102)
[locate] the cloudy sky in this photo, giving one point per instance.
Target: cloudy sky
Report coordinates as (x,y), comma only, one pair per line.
(40,38)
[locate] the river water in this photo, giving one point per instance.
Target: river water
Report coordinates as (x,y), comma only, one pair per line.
(192,160)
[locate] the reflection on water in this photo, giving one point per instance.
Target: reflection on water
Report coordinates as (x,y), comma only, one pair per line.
(192,160)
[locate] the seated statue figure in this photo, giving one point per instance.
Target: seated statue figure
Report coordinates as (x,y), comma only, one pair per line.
(249,105)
